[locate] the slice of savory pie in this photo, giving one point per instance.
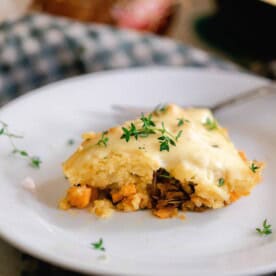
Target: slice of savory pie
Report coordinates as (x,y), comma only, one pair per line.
(171,159)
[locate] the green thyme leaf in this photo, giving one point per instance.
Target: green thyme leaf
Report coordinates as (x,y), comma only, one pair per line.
(23,153)
(172,142)
(131,132)
(70,142)
(163,129)
(210,124)
(98,245)
(178,135)
(147,121)
(164,146)
(165,139)
(103,140)
(221,182)
(126,134)
(4,131)
(181,121)
(165,142)
(266,230)
(35,162)
(253,167)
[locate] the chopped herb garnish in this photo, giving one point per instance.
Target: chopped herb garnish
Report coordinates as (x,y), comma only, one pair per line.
(266,229)
(221,182)
(166,139)
(5,131)
(34,161)
(215,146)
(165,142)
(178,135)
(104,139)
(132,131)
(147,121)
(181,121)
(253,167)
(148,127)
(98,245)
(70,142)
(210,124)
(161,108)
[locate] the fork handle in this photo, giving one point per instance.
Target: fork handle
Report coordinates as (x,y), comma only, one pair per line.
(244,97)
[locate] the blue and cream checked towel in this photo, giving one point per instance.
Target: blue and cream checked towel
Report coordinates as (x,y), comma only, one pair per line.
(39,49)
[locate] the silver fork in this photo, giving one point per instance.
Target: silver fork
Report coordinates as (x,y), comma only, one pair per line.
(243,97)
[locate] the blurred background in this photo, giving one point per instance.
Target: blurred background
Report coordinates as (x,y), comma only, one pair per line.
(240,31)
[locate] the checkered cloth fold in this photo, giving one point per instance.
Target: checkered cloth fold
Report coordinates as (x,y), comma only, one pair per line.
(39,49)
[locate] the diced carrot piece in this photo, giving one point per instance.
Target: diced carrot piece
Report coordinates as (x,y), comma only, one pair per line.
(128,190)
(116,196)
(79,196)
(234,196)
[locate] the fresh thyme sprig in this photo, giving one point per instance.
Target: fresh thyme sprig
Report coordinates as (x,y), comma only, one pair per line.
(147,121)
(253,167)
(266,229)
(165,142)
(34,161)
(210,124)
(103,140)
(98,245)
(221,182)
(148,127)
(182,121)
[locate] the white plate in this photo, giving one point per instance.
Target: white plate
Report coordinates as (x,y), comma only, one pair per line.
(214,242)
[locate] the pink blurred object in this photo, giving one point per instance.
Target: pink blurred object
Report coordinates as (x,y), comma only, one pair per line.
(143,15)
